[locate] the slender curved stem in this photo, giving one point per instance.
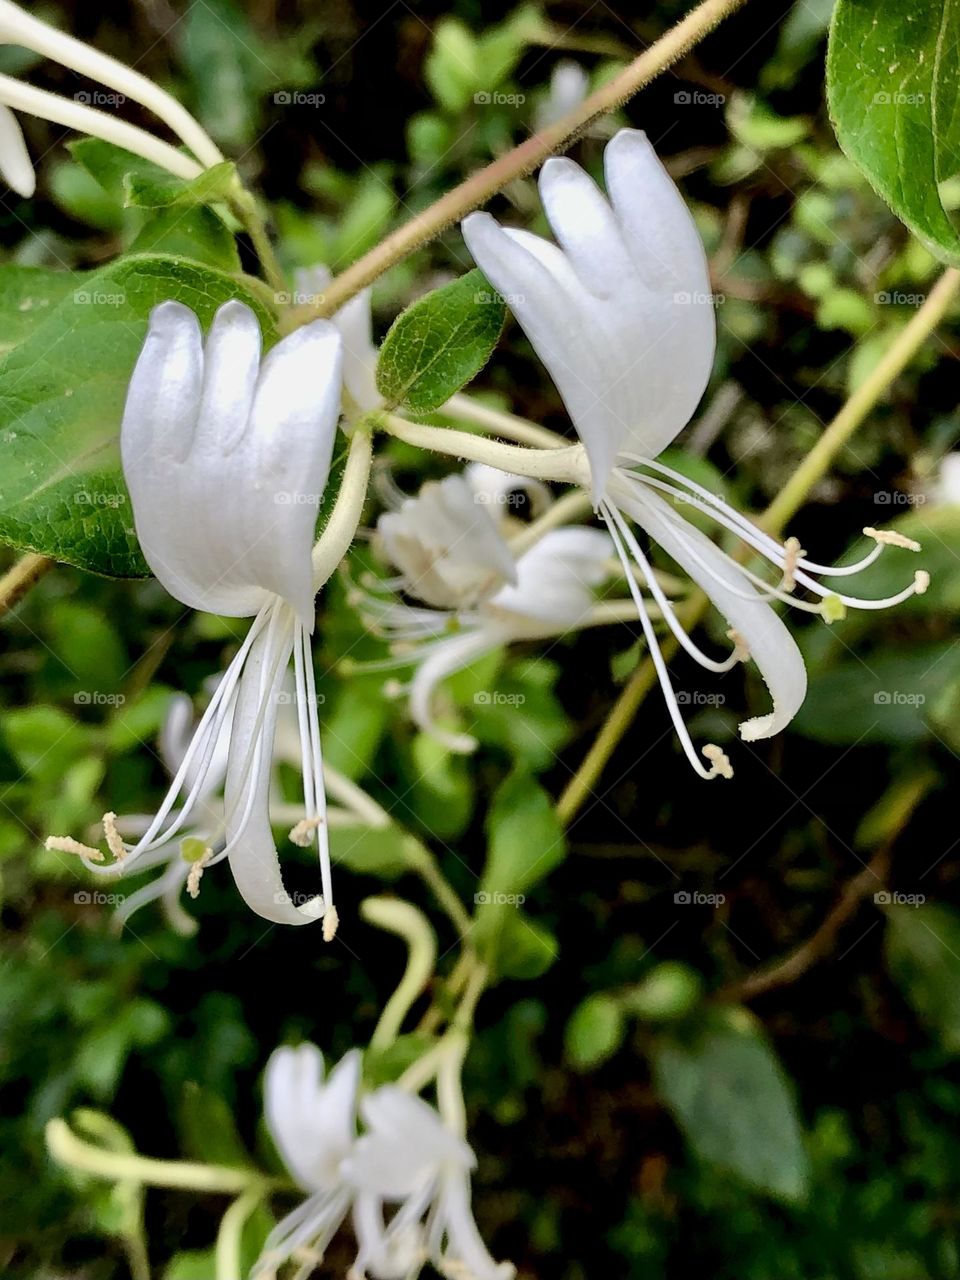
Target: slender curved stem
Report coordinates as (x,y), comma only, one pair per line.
(503,424)
(18,580)
(567,465)
(115,1166)
(410,924)
(98,124)
(901,351)
(228,1256)
(484,184)
(340,531)
(783,507)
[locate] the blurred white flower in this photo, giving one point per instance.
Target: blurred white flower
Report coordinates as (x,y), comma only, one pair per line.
(569,85)
(408,1158)
(621,313)
(226,457)
(360,352)
(946,487)
(451,550)
(313,1123)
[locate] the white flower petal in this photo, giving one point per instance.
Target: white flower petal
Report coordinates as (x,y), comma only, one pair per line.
(226,465)
(312,1122)
(16,167)
(771,645)
(496,489)
(445,543)
(622,315)
(556,580)
(443,660)
(250,845)
(465,1248)
(585,226)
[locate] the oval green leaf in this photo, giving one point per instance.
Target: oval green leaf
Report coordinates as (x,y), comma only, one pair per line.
(440,344)
(892,87)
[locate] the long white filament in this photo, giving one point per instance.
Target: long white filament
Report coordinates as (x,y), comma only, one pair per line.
(614,522)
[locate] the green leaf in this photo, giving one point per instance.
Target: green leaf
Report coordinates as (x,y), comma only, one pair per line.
(669,993)
(880,699)
(922,946)
(525,843)
(27,297)
(527,949)
(892,89)
(62,391)
(171,216)
(209,1129)
(728,1093)
(595,1031)
(162,190)
(439,344)
(526,840)
(198,234)
(370,851)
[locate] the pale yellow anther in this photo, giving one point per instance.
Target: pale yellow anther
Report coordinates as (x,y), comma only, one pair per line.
(113,838)
(793,553)
(302,833)
(195,875)
(392,689)
(741,649)
(921,580)
(719,760)
(331,920)
(890,538)
(67,844)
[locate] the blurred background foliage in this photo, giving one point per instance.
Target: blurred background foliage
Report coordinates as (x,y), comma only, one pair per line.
(737,1058)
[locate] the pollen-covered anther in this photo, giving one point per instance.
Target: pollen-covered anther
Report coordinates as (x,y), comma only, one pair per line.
(921,580)
(112,836)
(302,833)
(67,844)
(195,875)
(793,554)
(890,538)
(722,768)
(741,650)
(331,919)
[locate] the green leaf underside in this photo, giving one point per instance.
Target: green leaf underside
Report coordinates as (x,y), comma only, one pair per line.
(727,1092)
(439,344)
(893,92)
(62,391)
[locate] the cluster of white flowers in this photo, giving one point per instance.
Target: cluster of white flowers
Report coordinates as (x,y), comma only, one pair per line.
(227,454)
(405,1180)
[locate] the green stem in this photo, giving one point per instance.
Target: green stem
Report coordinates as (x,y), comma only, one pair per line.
(523,159)
(115,1166)
(245,206)
(410,924)
(815,465)
(18,580)
(229,1251)
(340,530)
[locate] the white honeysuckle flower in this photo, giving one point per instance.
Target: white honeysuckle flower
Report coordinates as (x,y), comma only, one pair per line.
(355,322)
(552,594)
(312,1121)
(946,486)
(446,545)
(21,28)
(569,85)
(226,457)
(16,167)
(502,491)
(620,312)
(409,1159)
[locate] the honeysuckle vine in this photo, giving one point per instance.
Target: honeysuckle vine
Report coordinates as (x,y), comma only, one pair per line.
(256,441)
